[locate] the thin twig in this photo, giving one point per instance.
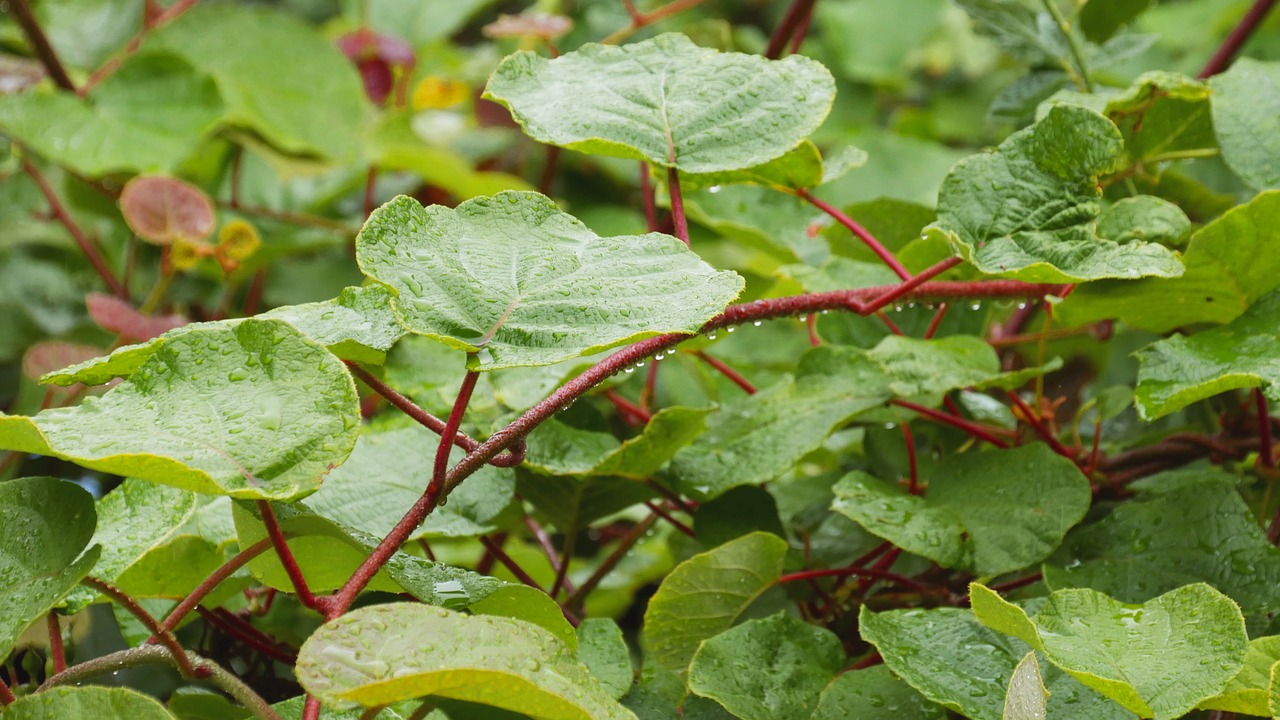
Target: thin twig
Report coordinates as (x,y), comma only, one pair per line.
(82,240)
(733,375)
(1225,53)
(660,512)
(862,234)
(26,19)
(936,321)
(247,634)
(502,557)
(626,407)
(287,560)
(606,566)
(860,572)
(56,651)
(910,439)
(797,15)
(980,432)
(170,14)
(148,621)
(639,19)
(451,426)
(215,579)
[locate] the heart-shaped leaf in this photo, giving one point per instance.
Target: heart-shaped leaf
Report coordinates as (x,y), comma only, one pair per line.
(47,525)
(57,703)
(515,281)
(666,101)
(386,653)
(254,410)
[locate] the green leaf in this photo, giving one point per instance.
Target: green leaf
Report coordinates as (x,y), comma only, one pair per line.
(666,101)
(1175,372)
(874,694)
(1026,697)
(895,223)
(954,661)
(134,519)
(389,470)
(1100,19)
(358,325)
(573,502)
(1246,102)
(531,605)
(988,513)
(603,650)
(558,449)
(1248,691)
(761,219)
(1002,616)
(376,656)
(60,703)
(1144,218)
(769,669)
(1019,30)
(1164,116)
(392,144)
(801,167)
(873,43)
(48,524)
(1027,211)
(704,595)
(1229,266)
(148,116)
(516,281)
(1201,531)
(1159,659)
(251,411)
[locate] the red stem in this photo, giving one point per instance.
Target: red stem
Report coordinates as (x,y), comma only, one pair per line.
(802,29)
(677,205)
(860,572)
(650,386)
(203,589)
(86,246)
(1041,430)
(1222,58)
(21,11)
(148,621)
(657,510)
(559,565)
(796,14)
(247,634)
(253,298)
(290,563)
(311,708)
(549,169)
(626,407)
(502,557)
(646,196)
(56,651)
(936,321)
(727,371)
(450,430)
(811,323)
(893,327)
(867,238)
(978,431)
(110,66)
(1015,584)
(625,543)
(1266,449)
(6,695)
(907,435)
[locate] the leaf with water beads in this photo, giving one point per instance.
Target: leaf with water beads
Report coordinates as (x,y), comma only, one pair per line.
(387,653)
(514,281)
(61,703)
(666,101)
(874,694)
(254,411)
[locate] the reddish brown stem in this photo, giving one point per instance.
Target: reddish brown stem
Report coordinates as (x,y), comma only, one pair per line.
(253,298)
(734,376)
(893,326)
(657,509)
(450,430)
(1226,52)
(869,661)
(26,19)
(110,66)
(796,16)
(914,478)
(677,205)
(867,238)
(642,19)
(626,407)
(978,431)
(1015,584)
(1266,448)
(86,245)
(871,573)
(370,191)
(646,196)
(148,621)
(6,695)
(505,560)
(1031,419)
(56,651)
(936,321)
(290,563)
(558,564)
(311,708)
(811,323)
(246,634)
(549,169)
(214,580)
(624,545)
(650,387)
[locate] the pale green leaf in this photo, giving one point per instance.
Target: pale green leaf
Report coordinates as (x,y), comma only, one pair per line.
(603,650)
(1003,616)
(801,167)
(1248,691)
(63,703)
(1178,371)
(358,325)
(530,605)
(874,694)
(760,219)
(47,526)
(984,512)
(666,101)
(311,108)
(1229,266)
(147,117)
(516,281)
(251,411)
(1246,103)
(769,669)
(1025,699)
(705,595)
(1021,28)
(392,144)
(386,653)
(558,449)
(1028,210)
(1144,218)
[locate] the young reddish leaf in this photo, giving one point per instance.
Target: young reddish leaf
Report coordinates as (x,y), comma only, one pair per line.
(543,26)
(45,357)
(118,316)
(163,210)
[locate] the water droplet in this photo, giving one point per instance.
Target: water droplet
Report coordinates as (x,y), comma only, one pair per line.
(1022,306)
(631,369)
(640,364)
(758,323)
(713,189)
(659,356)
(711,336)
(731,328)
(976,306)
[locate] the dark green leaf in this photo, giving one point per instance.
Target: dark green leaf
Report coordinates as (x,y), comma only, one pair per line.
(603,650)
(874,694)
(1246,103)
(63,703)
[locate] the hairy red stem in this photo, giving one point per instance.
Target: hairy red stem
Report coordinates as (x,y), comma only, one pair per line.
(626,407)
(215,578)
(290,563)
(148,621)
(733,375)
(910,439)
(867,238)
(796,15)
(936,321)
(677,205)
(1239,35)
(871,573)
(86,245)
(978,431)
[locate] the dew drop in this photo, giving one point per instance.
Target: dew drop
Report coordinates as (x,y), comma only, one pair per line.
(730,329)
(976,306)
(631,370)
(640,364)
(758,323)
(1022,306)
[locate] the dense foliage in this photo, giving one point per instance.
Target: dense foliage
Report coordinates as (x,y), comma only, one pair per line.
(377,358)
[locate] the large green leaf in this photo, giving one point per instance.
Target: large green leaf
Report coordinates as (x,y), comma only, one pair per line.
(756,438)
(147,117)
(251,411)
(769,669)
(515,281)
(386,474)
(134,519)
(704,595)
(760,218)
(1246,103)
(558,449)
(1027,211)
(988,513)
(1200,532)
(603,650)
(666,101)
(874,694)
(47,526)
(1229,265)
(1248,691)
(571,502)
(1159,659)
(386,653)
(801,167)
(62,703)
(304,108)
(1175,372)
(955,661)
